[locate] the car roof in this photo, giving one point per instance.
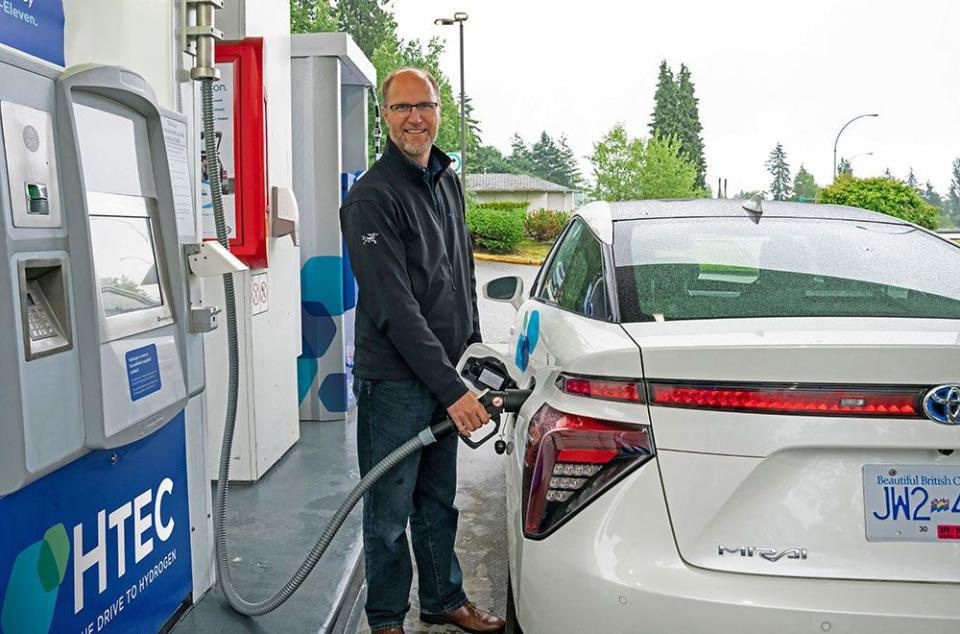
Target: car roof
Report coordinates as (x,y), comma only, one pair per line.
(601,215)
(699,207)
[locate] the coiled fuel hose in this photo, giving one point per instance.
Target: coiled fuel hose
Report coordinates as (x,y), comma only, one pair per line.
(426,437)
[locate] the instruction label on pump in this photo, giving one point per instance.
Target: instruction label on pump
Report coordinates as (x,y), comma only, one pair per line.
(175,135)
(143,372)
(223,115)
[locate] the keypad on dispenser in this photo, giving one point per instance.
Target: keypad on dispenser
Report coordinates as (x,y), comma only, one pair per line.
(41,326)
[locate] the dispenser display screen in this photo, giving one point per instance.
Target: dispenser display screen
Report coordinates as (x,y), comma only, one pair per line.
(125,263)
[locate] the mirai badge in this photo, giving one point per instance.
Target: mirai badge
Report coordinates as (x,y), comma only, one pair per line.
(942,404)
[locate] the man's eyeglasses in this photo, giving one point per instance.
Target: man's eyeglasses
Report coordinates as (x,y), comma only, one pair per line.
(423,107)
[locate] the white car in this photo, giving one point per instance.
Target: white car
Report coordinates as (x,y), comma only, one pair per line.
(740,422)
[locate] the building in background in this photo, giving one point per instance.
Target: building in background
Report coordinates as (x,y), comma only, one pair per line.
(541,194)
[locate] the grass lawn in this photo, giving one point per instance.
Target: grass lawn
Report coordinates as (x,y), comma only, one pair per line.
(527,251)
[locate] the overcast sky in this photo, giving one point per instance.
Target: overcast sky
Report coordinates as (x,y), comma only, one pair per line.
(764,71)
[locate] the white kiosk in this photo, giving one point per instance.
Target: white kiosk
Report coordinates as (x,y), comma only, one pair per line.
(331,78)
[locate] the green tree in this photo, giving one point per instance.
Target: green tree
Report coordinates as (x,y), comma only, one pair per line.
(312,16)
(912,180)
(804,186)
(369,22)
(676,113)
(780,187)
(570,168)
(666,172)
(486,159)
(688,112)
(629,169)
(520,156)
(617,162)
(931,195)
(885,195)
(665,119)
(844,167)
(553,160)
(953,194)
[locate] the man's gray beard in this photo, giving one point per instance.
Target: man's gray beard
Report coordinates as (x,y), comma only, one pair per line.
(414,150)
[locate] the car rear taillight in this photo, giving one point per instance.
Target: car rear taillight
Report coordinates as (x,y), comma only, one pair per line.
(809,401)
(570,460)
(602,387)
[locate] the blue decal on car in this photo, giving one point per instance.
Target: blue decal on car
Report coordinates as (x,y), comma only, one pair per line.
(528,339)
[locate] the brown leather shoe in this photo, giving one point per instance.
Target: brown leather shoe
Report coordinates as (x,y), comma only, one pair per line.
(468,618)
(388,630)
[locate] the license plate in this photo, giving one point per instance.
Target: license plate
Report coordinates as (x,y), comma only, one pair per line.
(912,503)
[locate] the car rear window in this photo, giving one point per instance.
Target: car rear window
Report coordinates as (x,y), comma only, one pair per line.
(720,268)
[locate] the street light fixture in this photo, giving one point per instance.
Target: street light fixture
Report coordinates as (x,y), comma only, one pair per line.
(459,18)
(837,140)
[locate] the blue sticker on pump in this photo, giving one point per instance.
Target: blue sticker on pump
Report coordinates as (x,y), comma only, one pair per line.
(143,372)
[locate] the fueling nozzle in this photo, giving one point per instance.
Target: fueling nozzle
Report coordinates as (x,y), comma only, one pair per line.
(496,402)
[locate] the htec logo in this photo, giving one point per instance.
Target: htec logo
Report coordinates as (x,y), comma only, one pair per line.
(117,522)
(34,583)
(39,569)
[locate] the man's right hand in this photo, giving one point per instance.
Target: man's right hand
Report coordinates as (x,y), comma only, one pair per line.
(468,414)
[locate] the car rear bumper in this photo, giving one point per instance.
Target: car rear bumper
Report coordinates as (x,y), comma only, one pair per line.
(615,568)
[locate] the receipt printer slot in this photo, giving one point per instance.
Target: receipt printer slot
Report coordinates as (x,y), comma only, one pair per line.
(44,307)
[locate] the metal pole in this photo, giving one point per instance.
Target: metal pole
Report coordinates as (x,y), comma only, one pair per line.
(463,121)
(837,140)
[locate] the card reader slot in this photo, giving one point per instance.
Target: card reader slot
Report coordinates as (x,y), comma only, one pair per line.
(44,307)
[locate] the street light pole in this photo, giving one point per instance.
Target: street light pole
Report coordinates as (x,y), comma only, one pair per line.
(459,18)
(837,140)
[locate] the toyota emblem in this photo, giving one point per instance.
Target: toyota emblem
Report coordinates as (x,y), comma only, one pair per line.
(942,404)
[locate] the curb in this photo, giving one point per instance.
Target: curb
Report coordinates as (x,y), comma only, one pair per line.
(507,259)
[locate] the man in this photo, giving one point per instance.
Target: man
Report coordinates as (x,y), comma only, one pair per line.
(417,312)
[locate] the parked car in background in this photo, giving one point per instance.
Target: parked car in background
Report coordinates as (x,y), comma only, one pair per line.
(741,421)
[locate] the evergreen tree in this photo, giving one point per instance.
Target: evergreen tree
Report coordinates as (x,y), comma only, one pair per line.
(486,159)
(887,173)
(520,156)
(931,195)
(548,158)
(844,168)
(912,181)
(664,120)
(571,168)
(804,186)
(778,167)
(554,161)
(689,134)
(953,194)
(544,155)
(676,113)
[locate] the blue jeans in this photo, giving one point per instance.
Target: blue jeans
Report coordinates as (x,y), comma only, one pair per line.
(420,490)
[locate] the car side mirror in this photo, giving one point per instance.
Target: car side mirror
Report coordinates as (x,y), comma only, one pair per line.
(505,289)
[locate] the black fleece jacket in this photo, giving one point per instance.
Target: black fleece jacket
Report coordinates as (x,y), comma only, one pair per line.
(407,238)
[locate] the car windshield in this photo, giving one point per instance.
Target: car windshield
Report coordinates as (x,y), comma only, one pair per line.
(721,268)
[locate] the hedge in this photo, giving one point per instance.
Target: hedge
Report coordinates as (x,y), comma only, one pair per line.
(545,225)
(886,195)
(496,229)
(504,205)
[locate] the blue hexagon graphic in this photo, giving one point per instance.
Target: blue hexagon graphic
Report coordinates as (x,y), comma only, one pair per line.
(333,392)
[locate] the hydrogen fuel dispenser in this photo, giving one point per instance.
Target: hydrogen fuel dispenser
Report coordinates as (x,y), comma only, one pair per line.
(99,354)
(94,278)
